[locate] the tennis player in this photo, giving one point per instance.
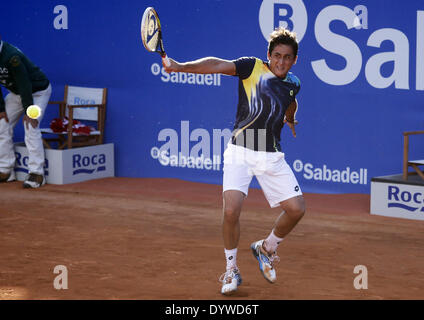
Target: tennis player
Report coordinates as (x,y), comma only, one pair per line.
(267,100)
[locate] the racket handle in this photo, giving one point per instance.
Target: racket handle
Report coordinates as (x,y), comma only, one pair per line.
(166,61)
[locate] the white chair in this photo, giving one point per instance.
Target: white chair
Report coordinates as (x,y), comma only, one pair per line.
(79,103)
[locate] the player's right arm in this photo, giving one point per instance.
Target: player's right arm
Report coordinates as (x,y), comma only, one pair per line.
(206,65)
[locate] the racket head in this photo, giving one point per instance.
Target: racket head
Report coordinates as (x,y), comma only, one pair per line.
(151,33)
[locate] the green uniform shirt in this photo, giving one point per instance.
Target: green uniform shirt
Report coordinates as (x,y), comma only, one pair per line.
(19,75)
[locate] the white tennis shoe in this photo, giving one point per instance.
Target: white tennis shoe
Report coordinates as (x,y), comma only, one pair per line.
(230,281)
(266,261)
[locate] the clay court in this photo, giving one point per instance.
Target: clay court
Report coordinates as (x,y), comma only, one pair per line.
(128,238)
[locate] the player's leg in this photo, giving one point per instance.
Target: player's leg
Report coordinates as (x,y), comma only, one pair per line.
(281,189)
(236,182)
(34,144)
(232,204)
(7,151)
(265,251)
(293,211)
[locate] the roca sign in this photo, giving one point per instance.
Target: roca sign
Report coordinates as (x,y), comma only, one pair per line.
(293,14)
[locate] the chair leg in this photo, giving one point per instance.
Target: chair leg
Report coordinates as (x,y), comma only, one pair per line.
(405,157)
(46,144)
(420,173)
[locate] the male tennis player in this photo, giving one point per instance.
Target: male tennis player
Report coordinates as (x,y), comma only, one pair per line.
(267,92)
(27,85)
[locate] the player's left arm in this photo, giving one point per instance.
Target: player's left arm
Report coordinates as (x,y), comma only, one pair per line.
(290,116)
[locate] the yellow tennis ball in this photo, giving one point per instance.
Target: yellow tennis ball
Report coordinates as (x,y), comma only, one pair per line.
(33,112)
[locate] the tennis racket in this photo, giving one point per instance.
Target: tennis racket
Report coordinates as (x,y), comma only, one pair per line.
(151,34)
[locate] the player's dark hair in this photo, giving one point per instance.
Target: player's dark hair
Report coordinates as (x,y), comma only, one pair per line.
(283,36)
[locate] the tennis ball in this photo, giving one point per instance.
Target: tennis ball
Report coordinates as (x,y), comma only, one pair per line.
(33,112)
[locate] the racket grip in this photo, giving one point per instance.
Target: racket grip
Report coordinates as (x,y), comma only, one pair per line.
(166,61)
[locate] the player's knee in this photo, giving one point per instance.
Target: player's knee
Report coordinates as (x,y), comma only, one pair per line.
(299,213)
(296,212)
(231,214)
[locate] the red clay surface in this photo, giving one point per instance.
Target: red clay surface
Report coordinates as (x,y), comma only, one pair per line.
(127,238)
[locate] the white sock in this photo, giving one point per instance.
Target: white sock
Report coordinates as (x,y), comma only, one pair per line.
(231,257)
(272,242)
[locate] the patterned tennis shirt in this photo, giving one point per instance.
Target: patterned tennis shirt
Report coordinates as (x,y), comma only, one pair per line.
(263,101)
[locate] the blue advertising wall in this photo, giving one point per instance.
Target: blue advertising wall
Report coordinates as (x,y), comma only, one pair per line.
(362,80)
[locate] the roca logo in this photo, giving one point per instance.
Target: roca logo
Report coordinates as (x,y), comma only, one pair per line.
(21,164)
(411,201)
(81,101)
(290,14)
(88,164)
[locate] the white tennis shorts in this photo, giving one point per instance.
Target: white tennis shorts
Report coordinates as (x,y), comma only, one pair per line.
(274,175)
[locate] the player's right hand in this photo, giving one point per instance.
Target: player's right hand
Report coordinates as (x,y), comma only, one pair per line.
(173,67)
(27,120)
(4,115)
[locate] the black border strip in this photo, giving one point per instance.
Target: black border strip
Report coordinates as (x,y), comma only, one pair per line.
(398,179)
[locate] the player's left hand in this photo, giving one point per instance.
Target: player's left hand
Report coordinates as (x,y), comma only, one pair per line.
(291,126)
(27,120)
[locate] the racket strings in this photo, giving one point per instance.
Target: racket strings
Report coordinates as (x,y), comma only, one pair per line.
(151,32)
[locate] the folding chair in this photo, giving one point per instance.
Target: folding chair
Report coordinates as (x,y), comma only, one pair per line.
(79,103)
